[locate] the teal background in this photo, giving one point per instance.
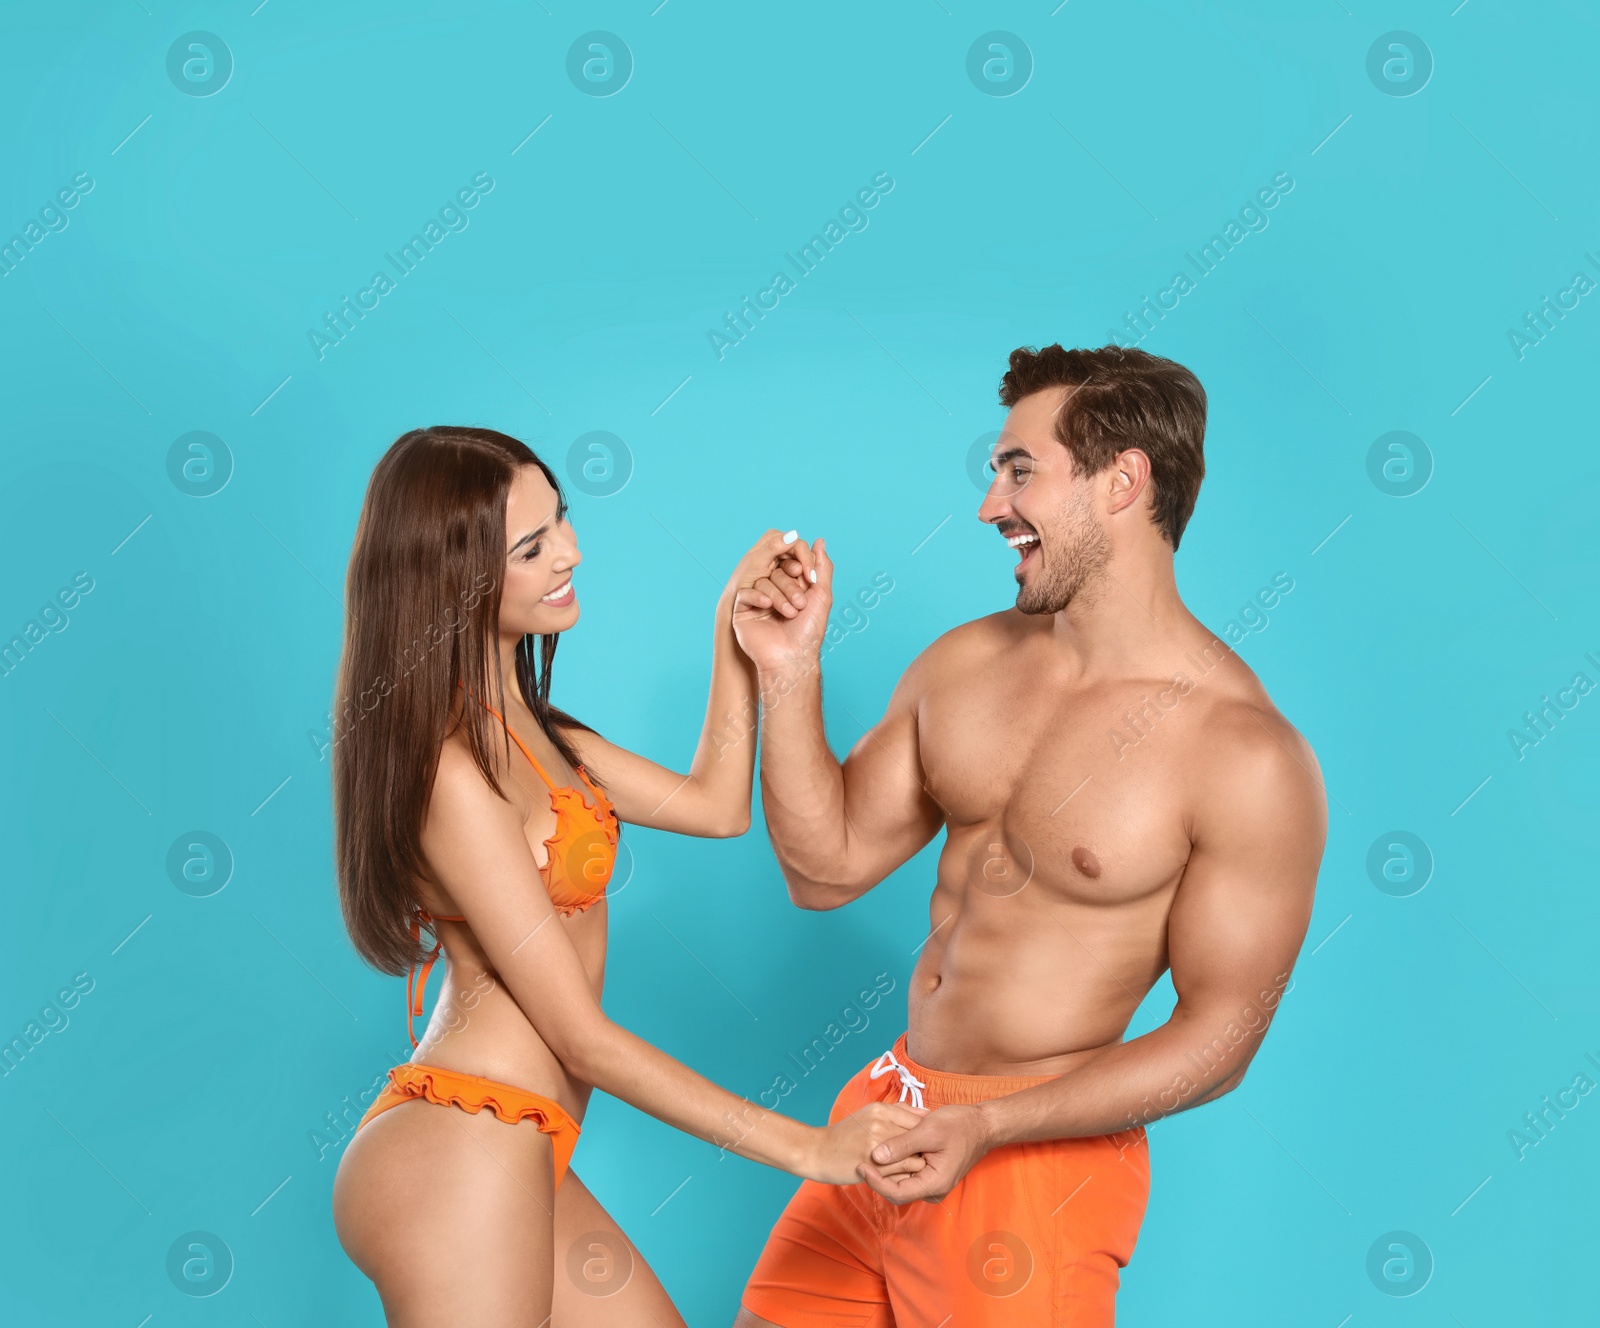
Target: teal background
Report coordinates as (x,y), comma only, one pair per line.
(190,687)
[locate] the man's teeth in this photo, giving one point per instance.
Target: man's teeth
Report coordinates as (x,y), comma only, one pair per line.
(559,591)
(1017,541)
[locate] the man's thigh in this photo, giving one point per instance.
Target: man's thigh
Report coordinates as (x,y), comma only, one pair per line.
(1035,1233)
(822,1266)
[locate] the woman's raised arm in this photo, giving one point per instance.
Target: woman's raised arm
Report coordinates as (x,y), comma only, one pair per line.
(713,799)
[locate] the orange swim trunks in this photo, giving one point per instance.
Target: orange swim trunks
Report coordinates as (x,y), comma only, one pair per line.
(1035,1233)
(409,1082)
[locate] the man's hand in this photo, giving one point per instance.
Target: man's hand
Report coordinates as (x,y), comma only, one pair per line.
(779,615)
(841,1147)
(782,565)
(951,1141)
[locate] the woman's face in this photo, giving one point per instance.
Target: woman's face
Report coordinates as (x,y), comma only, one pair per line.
(538,597)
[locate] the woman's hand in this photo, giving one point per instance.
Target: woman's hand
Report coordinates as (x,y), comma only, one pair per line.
(775,575)
(843,1147)
(781,613)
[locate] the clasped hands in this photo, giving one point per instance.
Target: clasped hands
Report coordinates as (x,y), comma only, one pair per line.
(906,1153)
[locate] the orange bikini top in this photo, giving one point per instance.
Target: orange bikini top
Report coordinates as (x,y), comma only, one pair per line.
(579,857)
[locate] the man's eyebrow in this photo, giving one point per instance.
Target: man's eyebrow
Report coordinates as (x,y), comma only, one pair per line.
(1010,454)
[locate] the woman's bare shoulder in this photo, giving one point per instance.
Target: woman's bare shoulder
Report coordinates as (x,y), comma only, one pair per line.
(460,786)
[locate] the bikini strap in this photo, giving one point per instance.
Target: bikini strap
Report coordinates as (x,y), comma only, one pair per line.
(417,981)
(532,760)
(601,802)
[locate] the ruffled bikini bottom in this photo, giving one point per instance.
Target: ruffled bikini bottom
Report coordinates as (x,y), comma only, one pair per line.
(409,1082)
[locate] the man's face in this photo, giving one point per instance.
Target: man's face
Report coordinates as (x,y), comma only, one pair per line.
(1048,514)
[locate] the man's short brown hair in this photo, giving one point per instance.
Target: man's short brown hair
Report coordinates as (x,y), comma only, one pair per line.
(1120,398)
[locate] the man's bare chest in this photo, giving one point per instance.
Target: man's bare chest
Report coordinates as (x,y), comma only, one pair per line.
(1086,794)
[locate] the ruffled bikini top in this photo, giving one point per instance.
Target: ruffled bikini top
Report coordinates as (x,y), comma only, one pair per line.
(579,858)
(580,855)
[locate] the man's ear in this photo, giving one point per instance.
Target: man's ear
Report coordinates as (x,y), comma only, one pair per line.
(1128,478)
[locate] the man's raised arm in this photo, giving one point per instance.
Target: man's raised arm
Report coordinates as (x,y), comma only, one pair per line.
(837,830)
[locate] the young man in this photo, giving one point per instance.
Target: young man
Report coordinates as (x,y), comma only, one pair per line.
(1119,797)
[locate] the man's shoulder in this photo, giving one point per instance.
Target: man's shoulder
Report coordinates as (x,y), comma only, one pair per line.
(1250,728)
(960,653)
(1254,756)
(982,636)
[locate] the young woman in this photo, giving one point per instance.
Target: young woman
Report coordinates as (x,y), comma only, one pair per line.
(470,810)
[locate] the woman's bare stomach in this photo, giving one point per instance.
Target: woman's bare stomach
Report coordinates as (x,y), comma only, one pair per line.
(477,1027)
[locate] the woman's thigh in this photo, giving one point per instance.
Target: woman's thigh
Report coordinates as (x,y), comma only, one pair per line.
(602,1281)
(451,1215)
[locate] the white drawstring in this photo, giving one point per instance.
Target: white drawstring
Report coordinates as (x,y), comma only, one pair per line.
(910,1085)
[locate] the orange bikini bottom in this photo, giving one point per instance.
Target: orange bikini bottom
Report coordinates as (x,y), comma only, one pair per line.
(449,1088)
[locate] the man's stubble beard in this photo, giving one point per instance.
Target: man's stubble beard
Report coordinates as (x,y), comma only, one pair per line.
(1080,553)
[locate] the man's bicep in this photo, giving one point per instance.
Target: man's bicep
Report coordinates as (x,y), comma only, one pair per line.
(889,815)
(1244,902)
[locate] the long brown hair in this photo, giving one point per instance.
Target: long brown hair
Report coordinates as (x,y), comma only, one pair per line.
(422,613)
